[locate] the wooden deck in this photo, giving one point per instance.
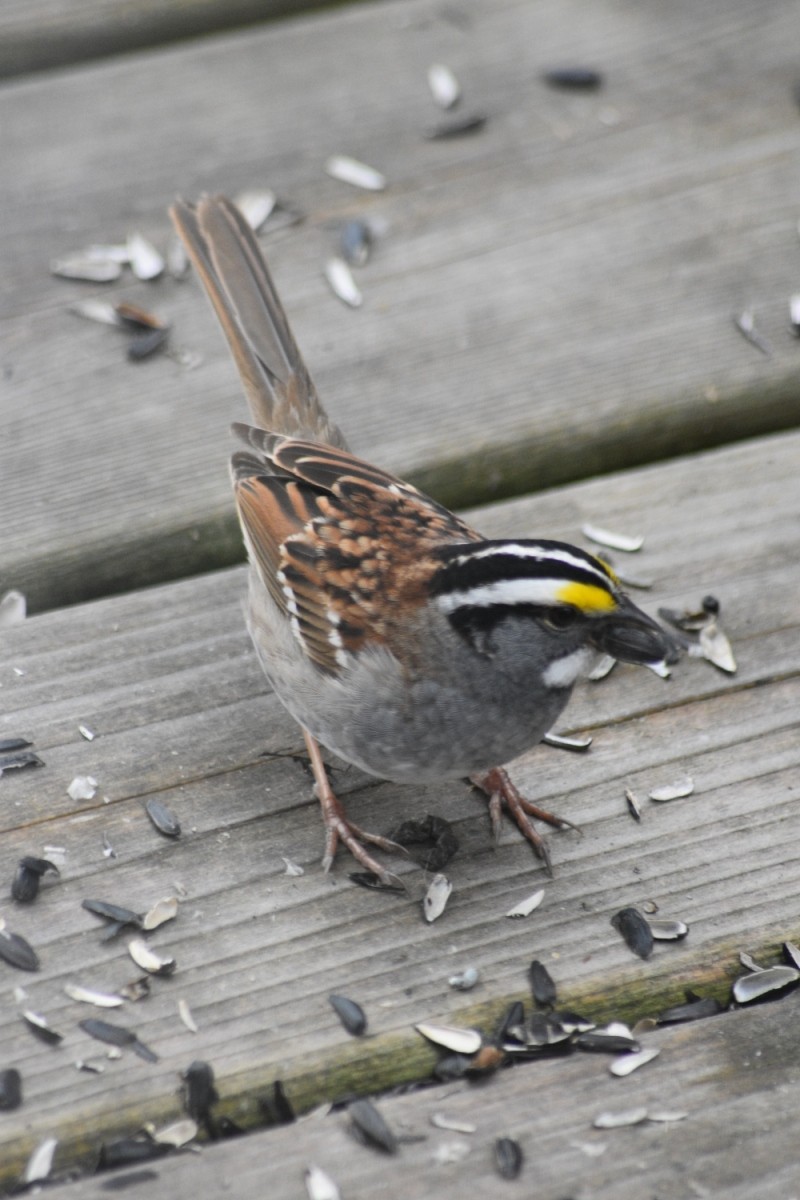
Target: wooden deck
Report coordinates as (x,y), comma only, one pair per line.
(552,299)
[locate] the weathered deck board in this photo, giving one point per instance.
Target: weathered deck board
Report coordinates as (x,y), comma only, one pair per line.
(56,33)
(552,297)
(168,682)
(734,1076)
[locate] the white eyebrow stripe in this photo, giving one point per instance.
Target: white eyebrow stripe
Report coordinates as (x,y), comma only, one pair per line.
(504,591)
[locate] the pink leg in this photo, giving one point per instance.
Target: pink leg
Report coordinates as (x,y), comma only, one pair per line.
(501,791)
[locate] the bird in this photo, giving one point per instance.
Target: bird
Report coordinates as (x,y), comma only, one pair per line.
(396,636)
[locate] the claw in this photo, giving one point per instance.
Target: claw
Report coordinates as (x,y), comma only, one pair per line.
(339,829)
(501,791)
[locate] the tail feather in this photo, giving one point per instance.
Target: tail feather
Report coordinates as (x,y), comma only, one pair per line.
(228,259)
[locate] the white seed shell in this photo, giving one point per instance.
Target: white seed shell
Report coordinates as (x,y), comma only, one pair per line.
(616,1120)
(673,791)
(319,1185)
(342,284)
(41,1161)
(526,906)
(179,1133)
(292,868)
(465,980)
(83,787)
(13,607)
(627,1063)
(716,648)
(255,205)
(146,262)
(163,910)
(665,930)
(185,1014)
(614,541)
(604,666)
(664,1115)
(436,897)
(146,958)
(752,987)
(442,1121)
(90,996)
(101,311)
(80,266)
(444,86)
(358,174)
(451,1037)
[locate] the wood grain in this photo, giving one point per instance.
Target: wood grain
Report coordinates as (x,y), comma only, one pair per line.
(552,298)
(166,679)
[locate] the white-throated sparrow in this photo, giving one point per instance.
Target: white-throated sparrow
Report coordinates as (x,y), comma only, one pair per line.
(393,633)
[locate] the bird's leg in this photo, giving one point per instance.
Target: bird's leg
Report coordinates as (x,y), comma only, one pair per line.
(501,791)
(339,828)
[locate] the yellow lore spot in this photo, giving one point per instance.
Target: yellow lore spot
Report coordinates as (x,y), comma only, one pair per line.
(588,597)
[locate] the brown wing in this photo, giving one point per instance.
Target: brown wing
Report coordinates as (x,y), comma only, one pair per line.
(316,520)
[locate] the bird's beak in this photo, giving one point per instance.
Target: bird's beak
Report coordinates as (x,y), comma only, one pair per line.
(629,635)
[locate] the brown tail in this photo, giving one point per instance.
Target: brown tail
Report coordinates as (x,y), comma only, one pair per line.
(228,259)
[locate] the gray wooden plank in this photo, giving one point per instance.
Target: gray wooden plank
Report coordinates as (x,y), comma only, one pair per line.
(168,682)
(734,1077)
(57,33)
(552,297)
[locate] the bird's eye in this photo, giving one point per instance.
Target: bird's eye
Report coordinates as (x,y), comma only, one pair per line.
(563,617)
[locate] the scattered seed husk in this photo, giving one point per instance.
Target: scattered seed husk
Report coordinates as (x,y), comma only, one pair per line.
(10,1089)
(634,927)
(454,1150)
(368,1122)
(355,242)
(748,988)
(292,868)
(177,258)
(145,957)
(716,648)
(41,1027)
(694,1009)
(664,930)
(436,897)
(542,985)
(358,174)
(103,312)
(608,1041)
(93,1066)
(199,1093)
(163,910)
(626,1064)
(455,127)
(17,952)
(40,1163)
(18,759)
(352,1015)
(673,791)
(604,666)
(146,262)
(451,1037)
(465,980)
(177,1134)
(442,1121)
(84,267)
(585,79)
(578,745)
(633,805)
(451,1067)
(665,1115)
(83,787)
(76,991)
(11,744)
(319,1184)
(746,324)
(25,885)
(791,953)
(13,607)
(120,918)
(163,818)
(255,205)
(617,1120)
(526,906)
(614,541)
(444,86)
(146,344)
(129,1151)
(507,1157)
(434,835)
(185,1014)
(661,669)
(794,314)
(341,282)
(104,1031)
